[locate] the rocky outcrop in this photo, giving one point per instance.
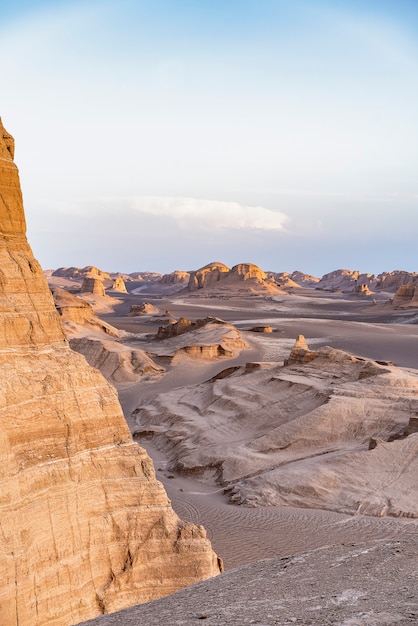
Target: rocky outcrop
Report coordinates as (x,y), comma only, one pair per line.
(142,309)
(244,278)
(362,290)
(175,278)
(310,444)
(246,271)
(70,307)
(86,527)
(300,352)
(304,280)
(391,281)
(208,338)
(207,275)
(342,280)
(183,325)
(116,361)
(149,277)
(261,329)
(93,285)
(77,273)
(283,280)
(406,297)
(119,285)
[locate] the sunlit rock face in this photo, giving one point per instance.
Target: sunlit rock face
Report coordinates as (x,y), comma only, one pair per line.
(119,285)
(85,526)
(242,278)
(93,285)
(207,275)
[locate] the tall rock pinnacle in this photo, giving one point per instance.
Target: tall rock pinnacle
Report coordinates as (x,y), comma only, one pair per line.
(85,526)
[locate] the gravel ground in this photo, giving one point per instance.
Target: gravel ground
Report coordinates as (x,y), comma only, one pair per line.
(365,584)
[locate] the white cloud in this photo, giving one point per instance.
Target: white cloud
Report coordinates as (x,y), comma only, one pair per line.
(210,214)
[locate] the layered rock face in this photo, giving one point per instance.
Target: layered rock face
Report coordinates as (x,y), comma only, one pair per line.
(86,527)
(93,285)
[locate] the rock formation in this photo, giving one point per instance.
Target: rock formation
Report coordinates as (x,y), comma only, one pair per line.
(261,329)
(93,285)
(208,338)
(77,273)
(244,278)
(332,431)
(119,285)
(98,341)
(142,309)
(150,277)
(116,361)
(175,278)
(300,352)
(406,297)
(86,527)
(207,275)
(391,281)
(70,307)
(361,289)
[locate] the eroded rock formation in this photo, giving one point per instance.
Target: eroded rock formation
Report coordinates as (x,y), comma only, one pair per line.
(175,278)
(86,527)
(93,285)
(244,278)
(406,297)
(332,430)
(207,275)
(142,309)
(119,285)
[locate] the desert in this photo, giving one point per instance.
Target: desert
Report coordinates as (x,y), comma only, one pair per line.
(208,313)
(224,423)
(297,446)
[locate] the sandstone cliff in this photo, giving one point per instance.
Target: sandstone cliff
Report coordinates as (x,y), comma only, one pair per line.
(86,527)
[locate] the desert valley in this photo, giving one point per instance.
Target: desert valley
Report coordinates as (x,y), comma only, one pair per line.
(244,439)
(280,410)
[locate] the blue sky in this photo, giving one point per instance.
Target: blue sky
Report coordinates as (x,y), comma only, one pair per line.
(165,134)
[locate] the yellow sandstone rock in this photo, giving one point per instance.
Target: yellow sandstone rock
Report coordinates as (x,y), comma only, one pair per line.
(85,526)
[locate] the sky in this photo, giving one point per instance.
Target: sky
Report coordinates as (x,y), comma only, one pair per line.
(155,135)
